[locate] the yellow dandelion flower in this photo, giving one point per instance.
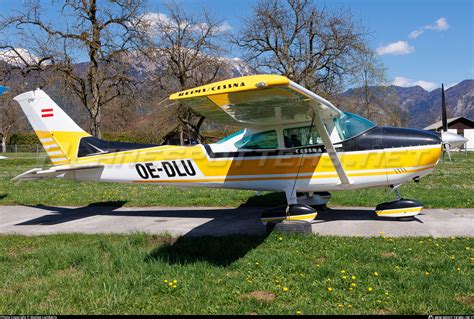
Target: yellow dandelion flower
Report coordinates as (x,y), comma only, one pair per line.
(467,248)
(170,284)
(376,274)
(329,289)
(353,284)
(471,258)
(350,288)
(349,306)
(340,305)
(344,277)
(386,293)
(458,269)
(343,271)
(437,245)
(285,289)
(165,281)
(257,263)
(174,286)
(353,277)
(175,281)
(370,289)
(298,312)
(427,273)
(452,257)
(280,238)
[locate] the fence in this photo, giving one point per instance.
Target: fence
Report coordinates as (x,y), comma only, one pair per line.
(23,151)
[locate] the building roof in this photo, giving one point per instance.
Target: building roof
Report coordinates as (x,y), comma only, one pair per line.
(439,124)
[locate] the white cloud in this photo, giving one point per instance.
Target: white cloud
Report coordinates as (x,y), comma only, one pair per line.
(406,82)
(415,34)
(18,57)
(396,48)
(440,25)
(158,20)
(224,27)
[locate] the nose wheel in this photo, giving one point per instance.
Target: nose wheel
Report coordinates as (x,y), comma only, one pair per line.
(401,208)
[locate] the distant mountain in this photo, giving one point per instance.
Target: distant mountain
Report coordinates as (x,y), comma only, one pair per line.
(424,107)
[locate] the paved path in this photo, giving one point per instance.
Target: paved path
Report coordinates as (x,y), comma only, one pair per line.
(220,221)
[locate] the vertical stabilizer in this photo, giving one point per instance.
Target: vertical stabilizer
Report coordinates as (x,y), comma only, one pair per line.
(57,132)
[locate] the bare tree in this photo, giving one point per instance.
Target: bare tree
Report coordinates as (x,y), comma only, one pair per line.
(306,43)
(9,118)
(189,49)
(370,78)
(100,33)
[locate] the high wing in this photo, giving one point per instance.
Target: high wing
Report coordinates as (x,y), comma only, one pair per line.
(38,173)
(261,101)
(256,101)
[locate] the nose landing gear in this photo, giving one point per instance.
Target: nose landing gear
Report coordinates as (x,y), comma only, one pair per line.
(401,208)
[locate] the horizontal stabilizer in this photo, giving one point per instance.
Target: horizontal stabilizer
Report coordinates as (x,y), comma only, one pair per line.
(39,173)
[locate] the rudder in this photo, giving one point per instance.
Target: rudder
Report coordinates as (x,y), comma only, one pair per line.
(57,132)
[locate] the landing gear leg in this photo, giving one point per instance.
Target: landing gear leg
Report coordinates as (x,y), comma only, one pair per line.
(317,200)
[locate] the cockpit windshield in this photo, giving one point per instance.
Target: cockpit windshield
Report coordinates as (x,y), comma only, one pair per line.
(349,125)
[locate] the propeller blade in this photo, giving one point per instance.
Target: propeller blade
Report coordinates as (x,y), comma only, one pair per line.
(448,150)
(444,117)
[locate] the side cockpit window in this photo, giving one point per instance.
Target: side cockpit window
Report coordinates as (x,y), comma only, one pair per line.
(261,140)
(301,136)
(349,125)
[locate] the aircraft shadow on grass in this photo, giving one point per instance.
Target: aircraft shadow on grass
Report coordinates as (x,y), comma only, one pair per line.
(227,237)
(242,229)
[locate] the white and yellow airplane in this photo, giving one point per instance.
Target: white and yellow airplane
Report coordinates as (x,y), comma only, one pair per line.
(292,141)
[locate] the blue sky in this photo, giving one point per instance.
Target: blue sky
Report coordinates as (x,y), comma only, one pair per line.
(442,51)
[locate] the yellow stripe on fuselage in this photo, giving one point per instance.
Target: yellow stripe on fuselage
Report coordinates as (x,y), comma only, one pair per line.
(269,178)
(358,163)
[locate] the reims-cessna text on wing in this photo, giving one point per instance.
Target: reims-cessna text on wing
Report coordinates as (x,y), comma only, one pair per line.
(292,141)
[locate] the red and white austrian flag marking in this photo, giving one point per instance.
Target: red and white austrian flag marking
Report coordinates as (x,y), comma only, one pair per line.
(46,112)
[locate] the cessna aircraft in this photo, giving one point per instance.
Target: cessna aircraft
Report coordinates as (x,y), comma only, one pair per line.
(292,141)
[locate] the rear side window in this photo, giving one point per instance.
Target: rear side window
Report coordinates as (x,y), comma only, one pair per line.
(262,140)
(301,136)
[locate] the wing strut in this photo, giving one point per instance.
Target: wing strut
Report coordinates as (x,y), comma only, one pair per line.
(330,148)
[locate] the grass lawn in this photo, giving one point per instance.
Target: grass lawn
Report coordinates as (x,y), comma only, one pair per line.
(450,185)
(277,274)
